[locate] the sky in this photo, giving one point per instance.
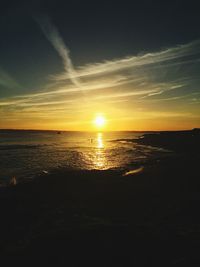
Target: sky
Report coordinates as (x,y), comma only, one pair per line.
(136,63)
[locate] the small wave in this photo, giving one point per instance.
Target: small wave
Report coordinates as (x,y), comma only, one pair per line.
(131,172)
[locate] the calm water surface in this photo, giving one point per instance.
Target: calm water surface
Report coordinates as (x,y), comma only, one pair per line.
(25,154)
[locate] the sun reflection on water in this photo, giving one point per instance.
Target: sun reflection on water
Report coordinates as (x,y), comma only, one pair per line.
(99,158)
(100,143)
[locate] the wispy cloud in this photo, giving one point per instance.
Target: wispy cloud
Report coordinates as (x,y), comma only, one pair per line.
(149,59)
(6,81)
(56,40)
(167,75)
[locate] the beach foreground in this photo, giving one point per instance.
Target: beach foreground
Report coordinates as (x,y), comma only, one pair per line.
(103,218)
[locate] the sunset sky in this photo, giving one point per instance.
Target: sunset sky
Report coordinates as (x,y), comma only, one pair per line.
(136,63)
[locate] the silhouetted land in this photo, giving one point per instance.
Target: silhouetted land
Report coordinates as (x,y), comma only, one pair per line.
(182,141)
(101,218)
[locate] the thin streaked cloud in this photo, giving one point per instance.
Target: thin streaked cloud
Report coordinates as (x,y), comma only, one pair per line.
(147,79)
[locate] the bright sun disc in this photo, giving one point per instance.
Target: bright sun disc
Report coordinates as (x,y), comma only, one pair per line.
(99,121)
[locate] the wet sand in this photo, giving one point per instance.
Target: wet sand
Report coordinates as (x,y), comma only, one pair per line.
(103,218)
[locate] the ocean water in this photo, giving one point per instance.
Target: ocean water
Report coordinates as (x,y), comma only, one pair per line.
(25,154)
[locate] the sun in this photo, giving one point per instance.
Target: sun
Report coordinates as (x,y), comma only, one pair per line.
(99,121)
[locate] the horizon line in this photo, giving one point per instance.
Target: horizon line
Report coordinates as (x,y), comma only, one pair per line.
(93,131)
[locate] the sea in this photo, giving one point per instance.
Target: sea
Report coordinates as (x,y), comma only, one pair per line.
(27,154)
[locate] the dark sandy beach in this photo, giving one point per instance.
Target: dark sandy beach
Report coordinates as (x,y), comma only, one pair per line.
(102,218)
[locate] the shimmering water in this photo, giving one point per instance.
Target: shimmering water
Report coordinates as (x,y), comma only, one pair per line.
(25,154)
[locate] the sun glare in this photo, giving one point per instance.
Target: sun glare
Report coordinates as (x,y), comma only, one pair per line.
(99,121)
